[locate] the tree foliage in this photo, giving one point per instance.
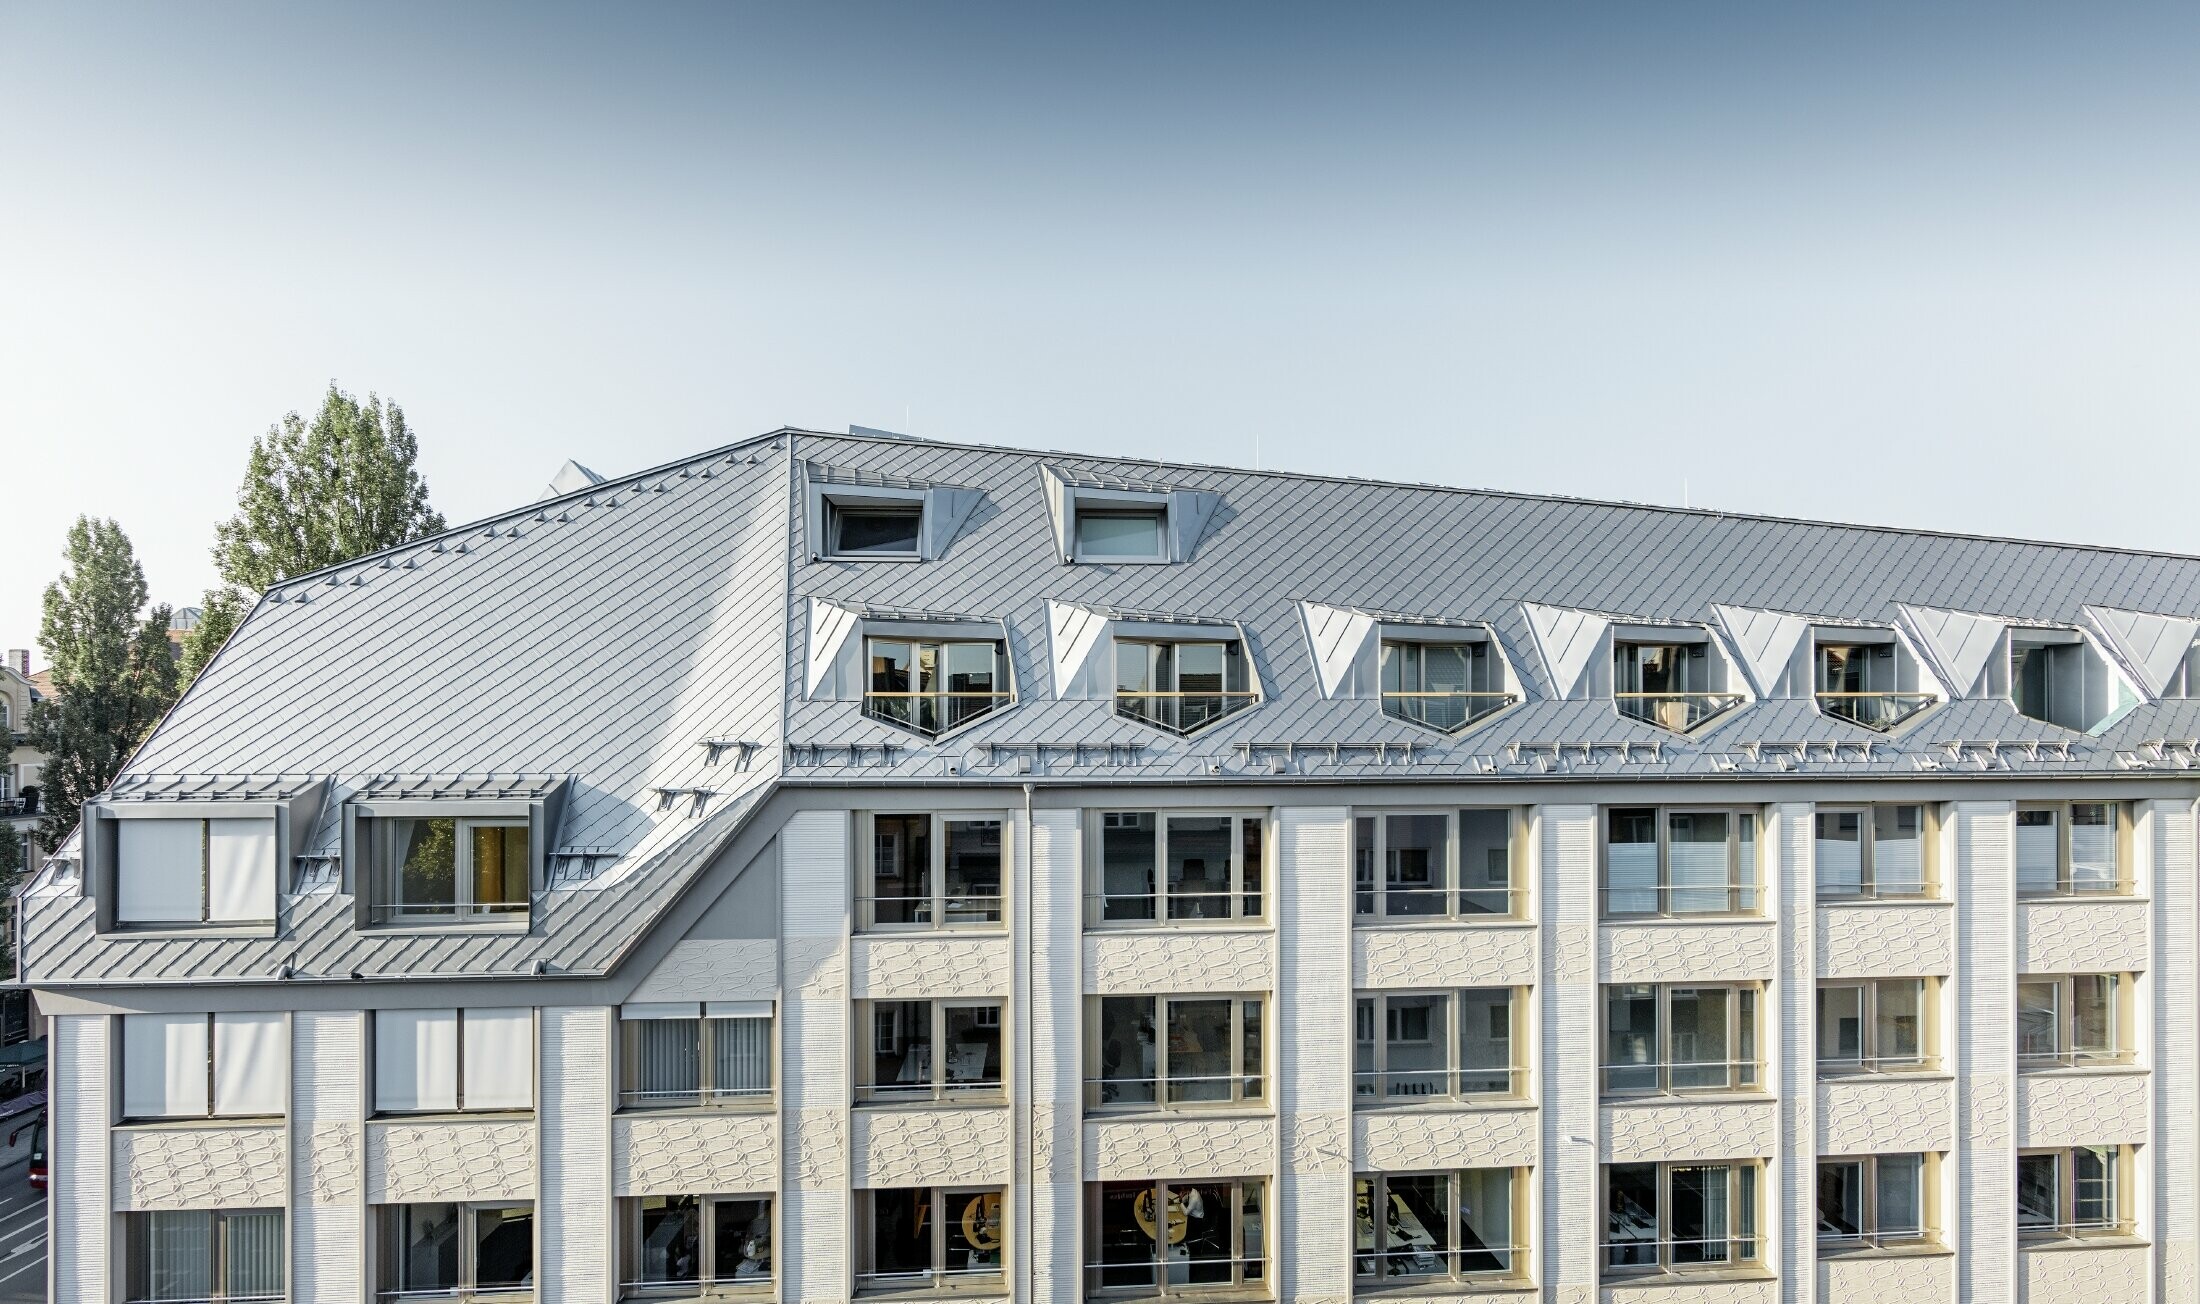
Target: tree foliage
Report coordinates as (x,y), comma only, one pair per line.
(314,495)
(113,673)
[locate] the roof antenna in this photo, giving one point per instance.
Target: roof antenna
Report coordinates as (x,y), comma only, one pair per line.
(1684,492)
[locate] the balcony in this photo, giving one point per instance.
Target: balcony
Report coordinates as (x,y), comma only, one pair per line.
(1448,711)
(1181,712)
(1679,712)
(934,712)
(1877,711)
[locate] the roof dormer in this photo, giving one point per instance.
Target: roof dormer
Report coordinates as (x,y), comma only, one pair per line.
(1176,673)
(1441,674)
(855,516)
(1107,521)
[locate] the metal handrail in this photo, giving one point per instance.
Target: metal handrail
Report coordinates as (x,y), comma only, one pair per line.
(2071,1059)
(694,1095)
(1663,1070)
(1369,893)
(1859,708)
(1741,898)
(1734,1245)
(412,911)
(979,908)
(1509,1254)
(2076,1229)
(1162,1090)
(876,1093)
(1172,1265)
(713,1285)
(920,1275)
(1847,1065)
(1098,903)
(1696,707)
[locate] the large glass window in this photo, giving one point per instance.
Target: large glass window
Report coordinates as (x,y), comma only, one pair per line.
(932,686)
(1175,1051)
(1873,852)
(1679,1038)
(1445,1045)
(1181,686)
(204,1256)
(443,871)
(1437,1226)
(931,1238)
(1864,683)
(456,1250)
(2072,849)
(1670,685)
(1659,861)
(682,1245)
(1872,1200)
(438,1061)
(2072,1020)
(1179,867)
(1175,1238)
(1434,864)
(2080,1191)
(1883,1025)
(930,1050)
(1445,686)
(933,871)
(1680,1217)
(675,1058)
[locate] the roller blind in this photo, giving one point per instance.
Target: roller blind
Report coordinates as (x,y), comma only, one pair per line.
(159,866)
(164,1065)
(415,1059)
(250,1051)
(240,867)
(500,1059)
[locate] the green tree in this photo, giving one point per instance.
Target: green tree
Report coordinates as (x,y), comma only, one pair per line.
(313,495)
(113,673)
(11,878)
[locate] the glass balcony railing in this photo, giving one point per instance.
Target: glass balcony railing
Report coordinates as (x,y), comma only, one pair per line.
(1181,712)
(931,713)
(1444,710)
(1881,711)
(1679,712)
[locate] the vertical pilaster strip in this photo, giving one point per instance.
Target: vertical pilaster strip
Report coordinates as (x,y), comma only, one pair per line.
(328,1192)
(1567,996)
(1793,1046)
(1312,1003)
(573,1144)
(1984,1215)
(79,1160)
(2172,874)
(1055,1027)
(814,911)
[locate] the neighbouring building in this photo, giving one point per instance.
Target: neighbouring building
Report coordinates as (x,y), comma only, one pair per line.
(846,866)
(19,764)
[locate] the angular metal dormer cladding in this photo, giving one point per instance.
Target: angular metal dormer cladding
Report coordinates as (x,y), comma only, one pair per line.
(1865,674)
(1173,672)
(2058,674)
(1107,520)
(1675,676)
(2161,652)
(857,516)
(930,673)
(196,855)
(1444,675)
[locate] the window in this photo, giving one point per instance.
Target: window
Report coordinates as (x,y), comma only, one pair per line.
(1181,686)
(183,872)
(456,1251)
(683,1056)
(931,1238)
(1881,1026)
(2063,1194)
(440,1061)
(1674,1039)
(1871,1201)
(901,1063)
(2073,1020)
(933,871)
(1412,1046)
(1437,1226)
(444,871)
(2073,849)
(873,529)
(1178,867)
(1680,862)
(1670,685)
(1871,684)
(682,1245)
(1445,686)
(2057,677)
(1175,1050)
(1680,1217)
(204,1256)
(1434,864)
(1128,531)
(1874,852)
(1175,1238)
(930,686)
(204,1065)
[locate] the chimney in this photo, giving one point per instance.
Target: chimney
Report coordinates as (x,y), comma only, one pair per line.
(19,660)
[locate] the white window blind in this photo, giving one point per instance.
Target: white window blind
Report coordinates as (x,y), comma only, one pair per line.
(415,1059)
(1898,863)
(164,1065)
(1632,874)
(159,870)
(1699,876)
(250,1055)
(500,1059)
(240,864)
(2038,850)
(1840,866)
(2092,854)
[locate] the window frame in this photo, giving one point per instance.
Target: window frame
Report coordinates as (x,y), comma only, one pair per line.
(2067,1226)
(204,920)
(1371,878)
(1244,820)
(137,1286)
(707,1284)
(384,875)
(940,1279)
(2123,1031)
(1868,887)
(213,1071)
(1745,882)
(458,1067)
(938,902)
(836,505)
(1376,1004)
(1749,1203)
(1086,503)
(1871,1237)
(1478,704)
(997,700)
(1870,1062)
(940,1089)
(1515,1254)
(469,1287)
(707,1095)
(1640,705)
(1230,702)
(1248,1273)
(1743,1076)
(2121,883)
(1249,1085)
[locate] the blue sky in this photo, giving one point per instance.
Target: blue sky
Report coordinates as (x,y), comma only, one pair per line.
(1919,265)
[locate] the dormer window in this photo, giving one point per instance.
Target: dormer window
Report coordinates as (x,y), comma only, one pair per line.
(1445,686)
(1866,680)
(931,686)
(2057,677)
(874,529)
(1181,685)
(450,871)
(1671,684)
(1122,532)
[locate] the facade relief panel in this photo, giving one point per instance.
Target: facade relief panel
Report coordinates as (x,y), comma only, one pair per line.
(1886,1279)
(2077,1109)
(714,969)
(1886,941)
(409,1163)
(1685,952)
(2081,937)
(887,968)
(2105,1275)
(676,1154)
(1482,955)
(1179,961)
(932,1147)
(1884,1114)
(1398,1141)
(1684,1130)
(1131,1149)
(1758,1291)
(198,1167)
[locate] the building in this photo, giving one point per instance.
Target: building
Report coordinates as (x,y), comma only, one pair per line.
(1007,874)
(19,764)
